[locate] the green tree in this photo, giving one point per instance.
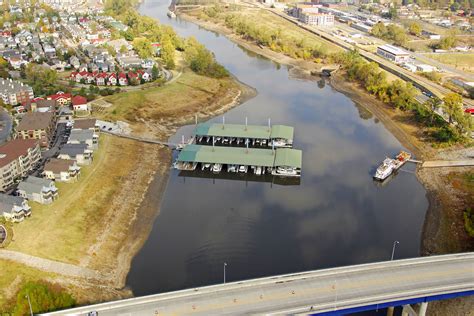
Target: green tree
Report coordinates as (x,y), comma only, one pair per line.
(168,52)
(433,104)
(41,79)
(452,105)
(143,47)
(44,297)
(155,73)
(415,28)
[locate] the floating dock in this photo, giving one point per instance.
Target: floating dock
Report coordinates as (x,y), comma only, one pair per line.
(237,134)
(279,161)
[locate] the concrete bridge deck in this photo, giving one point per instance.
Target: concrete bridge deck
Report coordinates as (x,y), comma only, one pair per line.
(309,292)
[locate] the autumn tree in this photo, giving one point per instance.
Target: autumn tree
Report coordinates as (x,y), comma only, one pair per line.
(415,28)
(143,47)
(433,104)
(452,105)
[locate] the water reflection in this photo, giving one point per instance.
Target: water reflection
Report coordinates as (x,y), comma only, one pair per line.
(334,216)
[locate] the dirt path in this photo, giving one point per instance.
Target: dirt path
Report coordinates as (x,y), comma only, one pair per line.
(52,266)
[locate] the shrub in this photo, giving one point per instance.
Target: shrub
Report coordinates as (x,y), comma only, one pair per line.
(469,221)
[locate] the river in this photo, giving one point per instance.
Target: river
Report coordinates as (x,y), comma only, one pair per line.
(336,215)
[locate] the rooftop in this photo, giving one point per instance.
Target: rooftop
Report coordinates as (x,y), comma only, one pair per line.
(59,165)
(243,131)
(393,49)
(85,124)
(35,120)
(12,86)
(72,150)
(241,156)
(14,149)
(81,135)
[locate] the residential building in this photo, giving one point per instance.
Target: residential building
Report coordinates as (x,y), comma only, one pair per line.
(122,79)
(17,157)
(317,19)
(393,53)
(87,124)
(61,98)
(14,208)
(84,136)
(79,103)
(36,189)
(61,170)
(77,152)
(37,125)
(15,92)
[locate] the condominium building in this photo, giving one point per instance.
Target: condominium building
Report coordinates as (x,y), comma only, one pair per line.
(36,189)
(15,92)
(14,208)
(317,19)
(17,157)
(37,125)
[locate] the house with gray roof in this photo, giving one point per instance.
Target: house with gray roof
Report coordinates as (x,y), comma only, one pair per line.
(14,92)
(84,136)
(78,152)
(36,189)
(14,208)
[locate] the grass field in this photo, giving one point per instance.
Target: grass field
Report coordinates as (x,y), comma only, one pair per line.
(66,229)
(187,95)
(12,276)
(462,61)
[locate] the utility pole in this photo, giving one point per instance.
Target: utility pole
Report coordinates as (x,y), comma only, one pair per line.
(29,303)
(395,243)
(225,265)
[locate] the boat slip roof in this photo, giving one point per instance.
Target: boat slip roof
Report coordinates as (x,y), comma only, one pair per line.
(241,156)
(242,131)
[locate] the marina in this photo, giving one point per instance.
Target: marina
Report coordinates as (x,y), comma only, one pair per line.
(278,162)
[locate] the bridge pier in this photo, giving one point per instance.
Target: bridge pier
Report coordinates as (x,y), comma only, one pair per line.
(390,310)
(409,311)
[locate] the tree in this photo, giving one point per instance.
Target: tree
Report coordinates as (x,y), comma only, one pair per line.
(123,49)
(41,79)
(452,105)
(155,73)
(143,47)
(168,52)
(415,28)
(433,104)
(44,297)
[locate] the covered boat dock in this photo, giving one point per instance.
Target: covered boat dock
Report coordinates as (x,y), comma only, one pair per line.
(240,134)
(280,161)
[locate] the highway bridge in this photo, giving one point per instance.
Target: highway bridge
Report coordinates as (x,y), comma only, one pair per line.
(330,291)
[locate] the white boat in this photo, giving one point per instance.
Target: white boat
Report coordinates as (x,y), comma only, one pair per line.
(171,14)
(200,139)
(205,166)
(279,143)
(231,168)
(285,171)
(384,170)
(243,168)
(217,168)
(258,170)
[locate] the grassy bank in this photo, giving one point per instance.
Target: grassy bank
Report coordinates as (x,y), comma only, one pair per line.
(267,29)
(458,60)
(172,104)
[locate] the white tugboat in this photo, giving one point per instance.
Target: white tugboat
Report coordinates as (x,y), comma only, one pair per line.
(384,170)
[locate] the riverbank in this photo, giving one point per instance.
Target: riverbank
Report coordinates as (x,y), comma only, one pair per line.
(99,223)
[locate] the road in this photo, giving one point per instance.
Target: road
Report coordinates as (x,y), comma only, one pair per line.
(446,68)
(315,291)
(6,125)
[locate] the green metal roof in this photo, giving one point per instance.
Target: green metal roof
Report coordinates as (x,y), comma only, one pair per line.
(241,156)
(288,157)
(227,155)
(242,131)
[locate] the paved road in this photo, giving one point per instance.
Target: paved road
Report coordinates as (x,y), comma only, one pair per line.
(6,125)
(323,290)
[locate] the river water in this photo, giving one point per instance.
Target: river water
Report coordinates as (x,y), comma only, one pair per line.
(335,216)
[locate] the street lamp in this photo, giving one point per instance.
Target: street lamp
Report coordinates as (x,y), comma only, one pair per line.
(225,265)
(29,303)
(395,243)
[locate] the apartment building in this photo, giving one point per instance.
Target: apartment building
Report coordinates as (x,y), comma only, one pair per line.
(37,125)
(317,19)
(17,157)
(61,170)
(36,189)
(15,92)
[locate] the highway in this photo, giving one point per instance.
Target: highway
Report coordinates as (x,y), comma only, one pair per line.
(313,291)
